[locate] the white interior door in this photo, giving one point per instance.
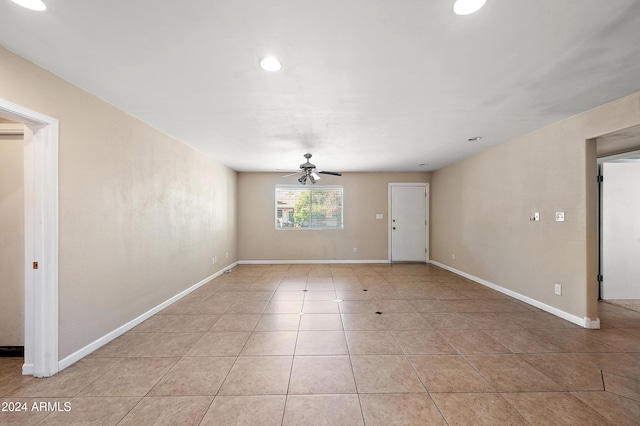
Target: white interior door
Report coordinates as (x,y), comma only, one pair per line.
(621,230)
(409,221)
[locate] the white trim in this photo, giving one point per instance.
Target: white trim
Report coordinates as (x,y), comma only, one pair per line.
(305,262)
(98,343)
(41,238)
(584,322)
(390,219)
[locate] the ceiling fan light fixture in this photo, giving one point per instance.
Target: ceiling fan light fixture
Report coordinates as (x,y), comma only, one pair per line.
(467,7)
(271,64)
(314,177)
(37,5)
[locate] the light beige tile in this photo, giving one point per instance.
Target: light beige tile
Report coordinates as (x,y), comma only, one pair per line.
(363,322)
(149,345)
(26,411)
(248,307)
(321,343)
(621,385)
(228,343)
(400,409)
(177,324)
(322,410)
(288,295)
(209,306)
(385,374)
(261,375)
(372,343)
(236,322)
(522,341)
(320,307)
(349,295)
(264,410)
(472,342)
(321,322)
(357,307)
(511,373)
(567,370)
(168,410)
(405,321)
(448,373)
(557,408)
(621,364)
(422,342)
(326,295)
(445,320)
(279,322)
(391,306)
(193,376)
(270,343)
(615,408)
(617,339)
(130,377)
(321,375)
(570,340)
(283,307)
(92,411)
(70,381)
(474,409)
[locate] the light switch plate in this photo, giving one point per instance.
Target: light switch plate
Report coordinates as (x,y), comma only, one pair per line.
(559,216)
(379,216)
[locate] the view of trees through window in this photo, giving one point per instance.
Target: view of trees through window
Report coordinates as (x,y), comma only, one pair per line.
(317,207)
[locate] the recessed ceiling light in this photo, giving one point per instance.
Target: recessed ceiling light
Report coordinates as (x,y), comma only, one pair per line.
(474,139)
(37,5)
(467,7)
(269,63)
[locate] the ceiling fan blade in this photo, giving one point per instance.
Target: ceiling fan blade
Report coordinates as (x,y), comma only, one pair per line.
(292,174)
(331,173)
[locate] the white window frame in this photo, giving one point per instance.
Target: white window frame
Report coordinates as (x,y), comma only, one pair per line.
(307,188)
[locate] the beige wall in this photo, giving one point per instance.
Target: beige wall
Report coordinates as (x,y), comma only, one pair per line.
(365,194)
(141,215)
(480,210)
(11,242)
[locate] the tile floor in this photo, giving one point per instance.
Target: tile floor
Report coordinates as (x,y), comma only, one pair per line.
(407,345)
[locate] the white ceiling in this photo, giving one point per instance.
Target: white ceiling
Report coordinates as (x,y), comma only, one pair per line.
(367,85)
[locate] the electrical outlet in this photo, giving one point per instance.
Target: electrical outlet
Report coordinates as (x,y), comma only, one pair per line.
(558,289)
(227,254)
(453,256)
(559,216)
(355,249)
(214,260)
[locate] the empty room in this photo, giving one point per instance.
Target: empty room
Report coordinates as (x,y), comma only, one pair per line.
(355,212)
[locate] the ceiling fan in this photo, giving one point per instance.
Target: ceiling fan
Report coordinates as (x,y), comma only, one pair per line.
(308,172)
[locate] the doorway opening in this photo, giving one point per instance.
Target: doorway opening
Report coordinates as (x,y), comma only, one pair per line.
(619,218)
(619,229)
(41,238)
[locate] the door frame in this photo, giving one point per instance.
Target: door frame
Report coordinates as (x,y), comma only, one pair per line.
(390,220)
(41,238)
(600,161)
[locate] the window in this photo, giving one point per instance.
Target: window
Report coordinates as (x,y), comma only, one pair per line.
(319,207)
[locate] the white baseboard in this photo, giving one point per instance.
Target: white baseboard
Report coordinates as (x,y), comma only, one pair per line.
(96,344)
(304,262)
(583,322)
(27,369)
